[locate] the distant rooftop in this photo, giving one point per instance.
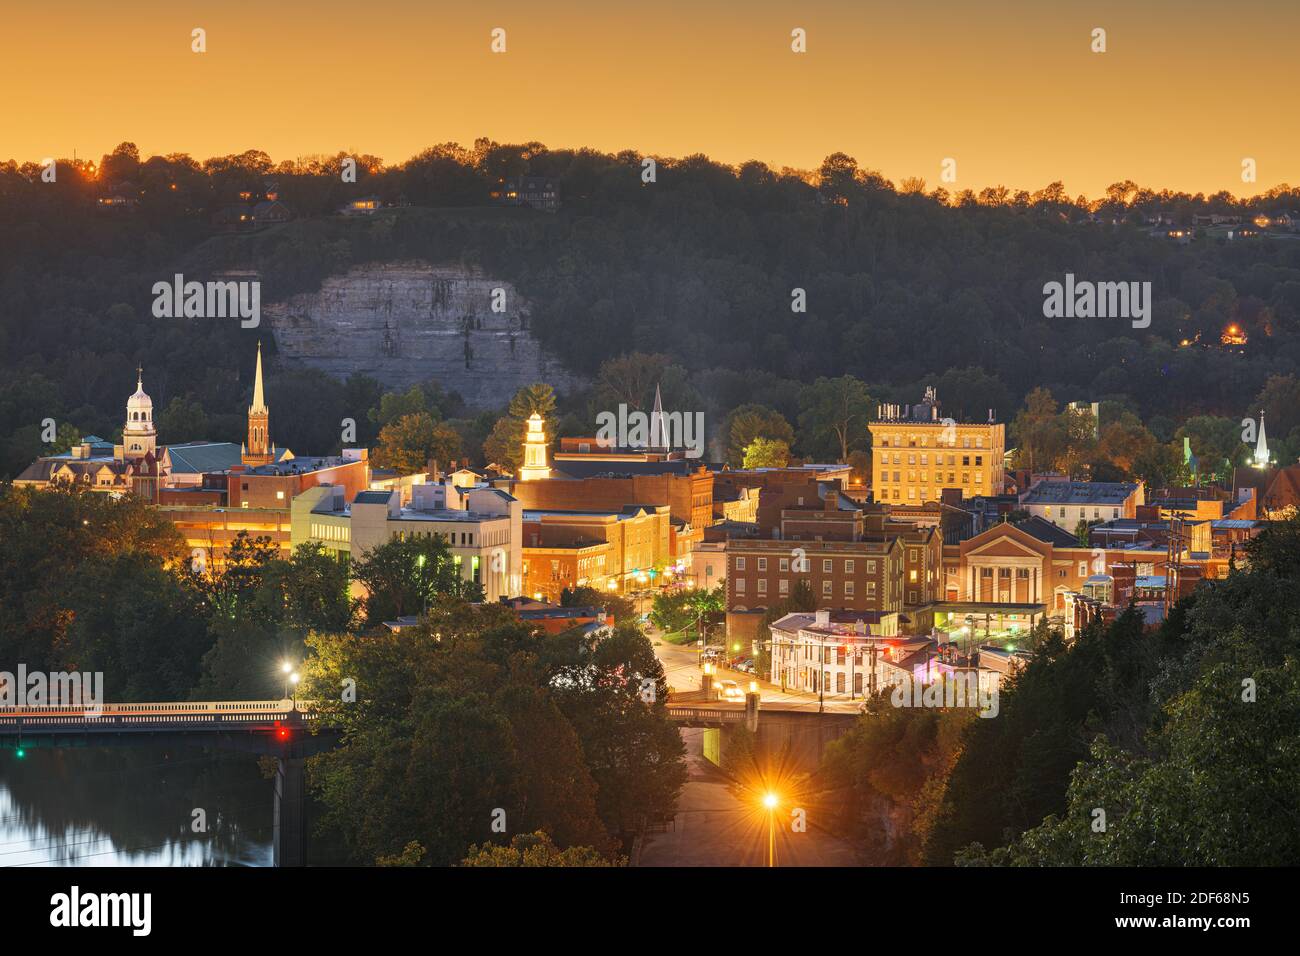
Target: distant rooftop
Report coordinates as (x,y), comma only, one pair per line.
(1079,493)
(300,466)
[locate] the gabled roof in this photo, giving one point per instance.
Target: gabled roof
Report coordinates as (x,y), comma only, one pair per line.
(1079,493)
(1284,489)
(201,457)
(1044,530)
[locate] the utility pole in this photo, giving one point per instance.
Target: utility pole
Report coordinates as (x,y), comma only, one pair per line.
(821,675)
(1174,559)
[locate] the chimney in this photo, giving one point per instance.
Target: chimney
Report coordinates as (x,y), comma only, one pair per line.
(822,618)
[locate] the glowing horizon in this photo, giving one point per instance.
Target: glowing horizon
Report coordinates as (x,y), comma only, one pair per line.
(1014,94)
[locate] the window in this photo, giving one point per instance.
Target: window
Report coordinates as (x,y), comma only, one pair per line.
(1083,569)
(740,585)
(783,586)
(762,564)
(785,564)
(848,589)
(762,585)
(979,460)
(826,565)
(826,588)
(871,567)
(965,461)
(869,588)
(740,564)
(848,566)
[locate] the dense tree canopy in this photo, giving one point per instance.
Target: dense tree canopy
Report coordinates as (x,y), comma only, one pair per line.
(904,288)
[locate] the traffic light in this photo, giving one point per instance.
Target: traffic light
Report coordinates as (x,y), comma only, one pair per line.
(20,753)
(281,731)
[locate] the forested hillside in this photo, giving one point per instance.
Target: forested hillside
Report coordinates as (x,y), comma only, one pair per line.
(903,283)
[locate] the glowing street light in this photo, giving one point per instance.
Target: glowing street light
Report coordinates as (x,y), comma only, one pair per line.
(293,679)
(770,801)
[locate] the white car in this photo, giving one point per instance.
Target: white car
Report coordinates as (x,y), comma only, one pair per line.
(730,690)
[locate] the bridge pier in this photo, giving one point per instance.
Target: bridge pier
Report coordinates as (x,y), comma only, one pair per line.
(290,840)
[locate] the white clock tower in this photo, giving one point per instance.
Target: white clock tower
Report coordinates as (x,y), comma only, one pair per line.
(139,437)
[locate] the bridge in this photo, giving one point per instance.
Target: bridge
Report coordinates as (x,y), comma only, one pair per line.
(800,735)
(287,730)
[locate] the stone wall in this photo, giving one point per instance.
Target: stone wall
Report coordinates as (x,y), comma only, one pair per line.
(406,322)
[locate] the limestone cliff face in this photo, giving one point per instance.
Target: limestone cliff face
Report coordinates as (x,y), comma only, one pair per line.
(408,322)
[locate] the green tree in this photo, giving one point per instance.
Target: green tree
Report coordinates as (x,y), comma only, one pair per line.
(622,608)
(833,416)
(749,422)
(505,445)
(633,751)
(406,575)
(410,442)
(183,420)
(1038,432)
(765,453)
(536,849)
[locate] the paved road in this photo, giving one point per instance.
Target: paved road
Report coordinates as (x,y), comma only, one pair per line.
(681,667)
(716,826)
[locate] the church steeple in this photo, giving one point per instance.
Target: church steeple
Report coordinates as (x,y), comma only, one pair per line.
(258,450)
(1261,445)
(259,401)
(658,425)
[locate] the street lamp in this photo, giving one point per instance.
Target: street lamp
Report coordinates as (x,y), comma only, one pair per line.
(293,679)
(286,668)
(770,801)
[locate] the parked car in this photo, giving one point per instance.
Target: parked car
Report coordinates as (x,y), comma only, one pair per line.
(746,666)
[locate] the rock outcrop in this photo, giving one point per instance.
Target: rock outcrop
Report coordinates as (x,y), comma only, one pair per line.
(408,322)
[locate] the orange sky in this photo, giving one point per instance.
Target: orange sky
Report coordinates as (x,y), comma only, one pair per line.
(1009,89)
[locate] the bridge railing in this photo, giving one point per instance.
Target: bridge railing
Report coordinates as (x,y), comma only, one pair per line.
(161,713)
(685,712)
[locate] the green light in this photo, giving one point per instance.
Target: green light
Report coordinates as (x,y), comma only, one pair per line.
(21,753)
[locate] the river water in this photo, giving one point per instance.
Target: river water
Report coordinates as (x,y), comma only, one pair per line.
(133,805)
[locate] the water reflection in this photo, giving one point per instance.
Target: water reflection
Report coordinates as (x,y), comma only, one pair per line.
(133,806)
